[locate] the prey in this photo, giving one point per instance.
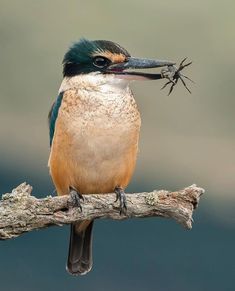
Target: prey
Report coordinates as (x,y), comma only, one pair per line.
(173,74)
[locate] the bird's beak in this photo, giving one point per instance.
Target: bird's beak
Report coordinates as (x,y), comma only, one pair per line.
(119,69)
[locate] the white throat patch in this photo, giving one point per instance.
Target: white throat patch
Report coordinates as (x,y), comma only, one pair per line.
(95,82)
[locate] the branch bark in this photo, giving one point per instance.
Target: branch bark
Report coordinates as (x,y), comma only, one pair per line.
(20,212)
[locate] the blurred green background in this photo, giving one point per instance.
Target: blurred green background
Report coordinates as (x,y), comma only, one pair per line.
(185,139)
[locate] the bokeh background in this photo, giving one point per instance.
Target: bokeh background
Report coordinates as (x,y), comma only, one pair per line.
(185,139)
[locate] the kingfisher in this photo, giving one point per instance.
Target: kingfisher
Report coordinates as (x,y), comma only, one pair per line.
(94,127)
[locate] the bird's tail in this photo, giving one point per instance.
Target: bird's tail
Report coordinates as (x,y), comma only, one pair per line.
(80,248)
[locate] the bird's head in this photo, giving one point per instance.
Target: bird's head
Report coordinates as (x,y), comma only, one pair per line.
(106,57)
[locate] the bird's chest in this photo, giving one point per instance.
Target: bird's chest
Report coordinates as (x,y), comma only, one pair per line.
(98,125)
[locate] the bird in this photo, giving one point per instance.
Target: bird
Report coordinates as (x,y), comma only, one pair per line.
(94,126)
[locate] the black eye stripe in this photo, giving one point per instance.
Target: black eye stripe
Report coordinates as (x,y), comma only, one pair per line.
(101,62)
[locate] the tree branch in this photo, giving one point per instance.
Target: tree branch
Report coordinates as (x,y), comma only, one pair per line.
(20,212)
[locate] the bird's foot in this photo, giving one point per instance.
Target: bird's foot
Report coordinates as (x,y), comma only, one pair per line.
(173,73)
(121,196)
(75,198)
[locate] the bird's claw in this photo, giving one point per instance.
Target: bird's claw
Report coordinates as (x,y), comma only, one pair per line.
(75,199)
(173,74)
(120,195)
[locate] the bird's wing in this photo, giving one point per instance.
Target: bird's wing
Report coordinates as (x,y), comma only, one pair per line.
(52,116)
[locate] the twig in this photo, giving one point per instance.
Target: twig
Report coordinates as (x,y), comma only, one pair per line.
(20,212)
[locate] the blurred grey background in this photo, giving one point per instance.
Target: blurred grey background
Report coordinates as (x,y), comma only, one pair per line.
(185,139)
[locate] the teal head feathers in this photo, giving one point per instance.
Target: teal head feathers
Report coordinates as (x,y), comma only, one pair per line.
(88,56)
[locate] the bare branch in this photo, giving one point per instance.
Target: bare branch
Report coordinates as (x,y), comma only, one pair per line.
(20,212)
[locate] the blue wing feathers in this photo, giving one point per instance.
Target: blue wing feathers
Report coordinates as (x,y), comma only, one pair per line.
(53,115)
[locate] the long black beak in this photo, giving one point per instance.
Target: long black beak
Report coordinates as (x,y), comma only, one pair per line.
(136,63)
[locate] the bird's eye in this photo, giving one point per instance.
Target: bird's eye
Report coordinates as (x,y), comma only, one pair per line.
(101,62)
